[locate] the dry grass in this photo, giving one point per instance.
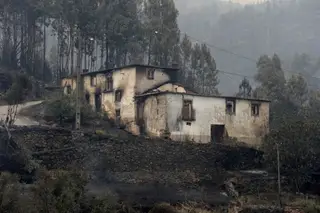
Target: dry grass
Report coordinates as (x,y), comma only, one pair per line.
(304,203)
(190,208)
(184,208)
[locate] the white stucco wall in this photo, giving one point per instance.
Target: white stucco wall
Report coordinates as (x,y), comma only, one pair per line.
(212,111)
(171,88)
(144,84)
(207,112)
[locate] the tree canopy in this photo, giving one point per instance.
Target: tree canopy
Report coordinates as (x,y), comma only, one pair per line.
(114,33)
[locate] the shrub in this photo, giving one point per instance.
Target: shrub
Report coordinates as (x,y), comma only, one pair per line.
(163,208)
(8,192)
(299,146)
(63,110)
(60,191)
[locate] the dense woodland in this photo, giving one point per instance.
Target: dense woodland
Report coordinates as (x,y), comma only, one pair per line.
(113,33)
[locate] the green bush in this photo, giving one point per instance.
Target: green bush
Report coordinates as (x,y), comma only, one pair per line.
(299,146)
(19,90)
(63,110)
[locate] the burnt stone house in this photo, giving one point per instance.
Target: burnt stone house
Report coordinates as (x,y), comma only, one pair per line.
(148,100)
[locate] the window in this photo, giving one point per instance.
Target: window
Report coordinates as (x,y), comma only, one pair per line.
(118,95)
(93,81)
(255,109)
(230,106)
(188,113)
(150,73)
(109,83)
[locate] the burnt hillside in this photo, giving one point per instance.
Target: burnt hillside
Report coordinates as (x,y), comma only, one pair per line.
(137,167)
(130,153)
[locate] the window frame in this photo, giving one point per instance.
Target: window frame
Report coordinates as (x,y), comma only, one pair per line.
(93,80)
(233,112)
(109,83)
(117,93)
(190,109)
(150,73)
(257,107)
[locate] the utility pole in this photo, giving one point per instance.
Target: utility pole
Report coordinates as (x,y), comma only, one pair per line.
(279,176)
(44,49)
(78,89)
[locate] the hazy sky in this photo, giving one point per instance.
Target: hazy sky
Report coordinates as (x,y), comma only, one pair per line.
(246,1)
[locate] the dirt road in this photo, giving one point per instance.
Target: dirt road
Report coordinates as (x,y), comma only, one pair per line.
(21,120)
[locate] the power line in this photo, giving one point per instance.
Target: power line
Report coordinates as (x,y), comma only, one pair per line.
(240,55)
(233,73)
(223,49)
(253,77)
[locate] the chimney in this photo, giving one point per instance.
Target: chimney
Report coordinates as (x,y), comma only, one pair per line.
(85,70)
(175,65)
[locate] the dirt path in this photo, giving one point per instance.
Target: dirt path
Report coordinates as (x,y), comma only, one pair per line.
(21,120)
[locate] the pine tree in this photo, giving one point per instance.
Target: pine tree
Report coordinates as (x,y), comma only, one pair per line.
(186,50)
(298,90)
(162,30)
(245,89)
(271,78)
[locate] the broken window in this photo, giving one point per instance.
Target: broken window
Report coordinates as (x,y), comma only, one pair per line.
(109,83)
(150,73)
(230,107)
(118,96)
(255,109)
(92,81)
(188,113)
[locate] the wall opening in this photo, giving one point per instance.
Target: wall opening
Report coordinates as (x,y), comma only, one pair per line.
(69,89)
(231,106)
(217,133)
(118,118)
(255,109)
(97,101)
(87,97)
(118,95)
(139,117)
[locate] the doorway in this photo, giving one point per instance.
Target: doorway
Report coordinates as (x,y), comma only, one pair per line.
(97,101)
(217,133)
(140,118)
